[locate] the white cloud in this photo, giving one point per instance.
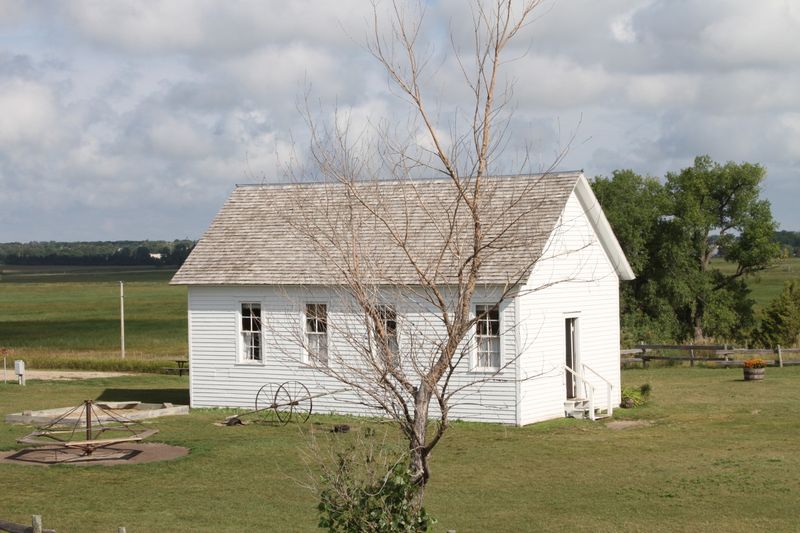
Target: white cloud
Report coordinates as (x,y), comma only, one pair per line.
(661,90)
(282,73)
(548,81)
(147,113)
(213,28)
(762,33)
(622,28)
(28,113)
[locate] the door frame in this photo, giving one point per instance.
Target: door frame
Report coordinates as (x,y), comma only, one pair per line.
(572,353)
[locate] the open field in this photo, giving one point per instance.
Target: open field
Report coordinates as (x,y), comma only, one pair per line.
(719,455)
(74,312)
(767,285)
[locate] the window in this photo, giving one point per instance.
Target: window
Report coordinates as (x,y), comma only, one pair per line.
(388,317)
(487,336)
(317,333)
(251,332)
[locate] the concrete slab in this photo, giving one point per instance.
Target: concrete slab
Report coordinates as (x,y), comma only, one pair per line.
(132,410)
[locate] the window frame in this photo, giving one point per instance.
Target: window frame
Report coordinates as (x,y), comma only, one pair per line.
(383,310)
(242,348)
(307,357)
(475,365)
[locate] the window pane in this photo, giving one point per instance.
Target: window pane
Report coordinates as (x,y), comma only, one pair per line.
(251,332)
(487,336)
(316,318)
(317,332)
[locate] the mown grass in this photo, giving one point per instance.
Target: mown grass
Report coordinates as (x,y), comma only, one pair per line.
(74,313)
(720,455)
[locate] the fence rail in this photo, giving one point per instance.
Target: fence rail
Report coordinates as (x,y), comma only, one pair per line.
(721,355)
(35,527)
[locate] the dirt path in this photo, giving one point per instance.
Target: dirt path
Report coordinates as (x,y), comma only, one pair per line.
(61,375)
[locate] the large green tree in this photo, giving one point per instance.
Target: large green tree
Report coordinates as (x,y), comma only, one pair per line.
(636,206)
(671,232)
(718,208)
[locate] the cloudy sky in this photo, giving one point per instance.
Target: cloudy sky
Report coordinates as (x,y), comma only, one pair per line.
(134,120)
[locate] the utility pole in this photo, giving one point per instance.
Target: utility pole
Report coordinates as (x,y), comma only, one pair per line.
(122,319)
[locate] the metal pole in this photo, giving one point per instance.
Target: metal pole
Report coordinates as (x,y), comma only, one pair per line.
(122,319)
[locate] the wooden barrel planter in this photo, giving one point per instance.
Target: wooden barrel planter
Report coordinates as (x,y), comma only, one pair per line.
(754,374)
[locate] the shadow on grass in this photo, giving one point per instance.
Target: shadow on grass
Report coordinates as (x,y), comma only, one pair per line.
(176,396)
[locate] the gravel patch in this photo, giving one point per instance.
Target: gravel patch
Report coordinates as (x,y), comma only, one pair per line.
(628,424)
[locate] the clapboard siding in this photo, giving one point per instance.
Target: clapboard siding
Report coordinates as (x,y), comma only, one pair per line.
(220,380)
(575,278)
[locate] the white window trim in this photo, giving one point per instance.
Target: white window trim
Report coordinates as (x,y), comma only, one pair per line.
(473,348)
(305,357)
(240,360)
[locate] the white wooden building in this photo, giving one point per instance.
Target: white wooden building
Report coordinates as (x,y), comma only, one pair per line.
(261,296)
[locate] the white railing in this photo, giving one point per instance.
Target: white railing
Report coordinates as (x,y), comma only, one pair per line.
(589,389)
(609,388)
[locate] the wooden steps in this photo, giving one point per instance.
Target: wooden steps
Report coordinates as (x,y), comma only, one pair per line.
(579,408)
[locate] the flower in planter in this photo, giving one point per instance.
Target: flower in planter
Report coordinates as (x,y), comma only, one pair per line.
(755,363)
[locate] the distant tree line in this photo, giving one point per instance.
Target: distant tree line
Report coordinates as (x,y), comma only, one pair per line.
(671,229)
(96,253)
(790,240)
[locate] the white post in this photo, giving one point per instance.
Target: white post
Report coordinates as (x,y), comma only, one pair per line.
(780,356)
(36,523)
(19,370)
(122,319)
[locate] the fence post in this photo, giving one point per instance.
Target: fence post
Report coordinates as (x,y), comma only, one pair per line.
(780,357)
(121,530)
(36,523)
(691,357)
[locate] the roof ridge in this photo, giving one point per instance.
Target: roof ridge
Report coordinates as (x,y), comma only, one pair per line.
(428,179)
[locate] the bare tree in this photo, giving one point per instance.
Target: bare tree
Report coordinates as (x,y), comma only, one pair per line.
(372,228)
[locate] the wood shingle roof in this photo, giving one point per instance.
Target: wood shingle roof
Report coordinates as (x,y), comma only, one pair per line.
(309,233)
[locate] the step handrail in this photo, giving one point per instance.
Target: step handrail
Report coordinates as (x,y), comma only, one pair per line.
(609,387)
(590,389)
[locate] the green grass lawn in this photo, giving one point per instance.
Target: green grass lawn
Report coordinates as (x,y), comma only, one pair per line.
(74,311)
(720,455)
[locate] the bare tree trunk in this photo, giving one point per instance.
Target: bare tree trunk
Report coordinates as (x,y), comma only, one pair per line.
(418,443)
(699,311)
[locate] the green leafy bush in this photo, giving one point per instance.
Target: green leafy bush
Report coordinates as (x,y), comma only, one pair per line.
(635,396)
(780,322)
(365,492)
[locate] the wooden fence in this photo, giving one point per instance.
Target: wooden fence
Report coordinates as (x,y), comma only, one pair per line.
(720,355)
(35,527)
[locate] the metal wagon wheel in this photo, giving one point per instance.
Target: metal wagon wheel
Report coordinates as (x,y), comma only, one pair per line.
(265,403)
(292,401)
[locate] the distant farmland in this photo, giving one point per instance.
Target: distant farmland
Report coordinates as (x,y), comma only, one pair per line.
(74,311)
